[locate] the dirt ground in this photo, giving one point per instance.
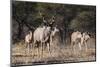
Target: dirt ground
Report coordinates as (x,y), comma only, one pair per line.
(58,54)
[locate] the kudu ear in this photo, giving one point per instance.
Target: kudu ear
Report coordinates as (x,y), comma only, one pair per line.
(52,20)
(44,20)
(53,17)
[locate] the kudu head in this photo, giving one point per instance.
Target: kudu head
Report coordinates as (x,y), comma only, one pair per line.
(49,22)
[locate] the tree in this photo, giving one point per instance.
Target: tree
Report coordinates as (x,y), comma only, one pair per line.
(84,21)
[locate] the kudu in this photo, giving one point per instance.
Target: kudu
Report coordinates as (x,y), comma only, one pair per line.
(76,39)
(84,39)
(41,35)
(28,40)
(80,39)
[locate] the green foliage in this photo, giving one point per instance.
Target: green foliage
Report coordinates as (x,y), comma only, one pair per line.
(84,21)
(67,17)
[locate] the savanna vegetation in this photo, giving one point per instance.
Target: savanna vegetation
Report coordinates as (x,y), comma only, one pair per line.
(68,18)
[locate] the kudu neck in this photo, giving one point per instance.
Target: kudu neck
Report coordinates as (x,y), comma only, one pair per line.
(30,32)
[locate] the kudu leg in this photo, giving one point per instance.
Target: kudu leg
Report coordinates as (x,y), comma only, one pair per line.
(41,55)
(28,50)
(73,47)
(85,46)
(80,46)
(48,46)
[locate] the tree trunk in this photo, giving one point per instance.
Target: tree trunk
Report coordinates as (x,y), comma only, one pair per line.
(20,28)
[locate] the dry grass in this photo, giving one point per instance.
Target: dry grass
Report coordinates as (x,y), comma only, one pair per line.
(21,56)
